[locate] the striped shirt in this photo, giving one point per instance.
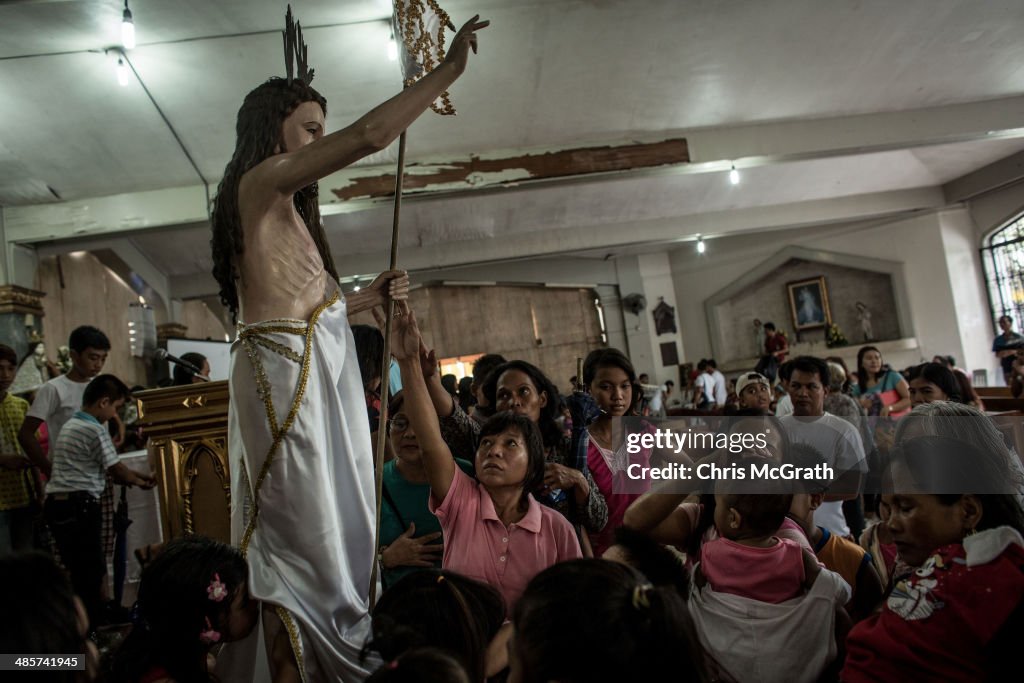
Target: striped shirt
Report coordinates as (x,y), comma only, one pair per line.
(15,486)
(81,456)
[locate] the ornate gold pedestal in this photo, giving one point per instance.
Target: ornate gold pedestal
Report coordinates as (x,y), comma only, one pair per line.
(188,430)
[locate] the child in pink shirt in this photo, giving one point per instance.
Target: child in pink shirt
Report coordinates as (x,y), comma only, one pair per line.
(494,530)
(749,559)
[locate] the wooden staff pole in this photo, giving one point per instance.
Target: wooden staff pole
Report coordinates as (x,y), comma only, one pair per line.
(385,370)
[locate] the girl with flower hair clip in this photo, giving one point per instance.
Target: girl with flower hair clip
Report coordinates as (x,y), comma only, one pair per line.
(193,597)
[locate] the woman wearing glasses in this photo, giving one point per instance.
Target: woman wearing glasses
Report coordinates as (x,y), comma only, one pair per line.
(410,535)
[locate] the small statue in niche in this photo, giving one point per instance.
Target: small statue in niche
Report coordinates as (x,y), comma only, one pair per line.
(34,370)
(864,318)
(664,318)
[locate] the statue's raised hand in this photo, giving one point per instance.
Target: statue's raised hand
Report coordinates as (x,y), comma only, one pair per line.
(464,41)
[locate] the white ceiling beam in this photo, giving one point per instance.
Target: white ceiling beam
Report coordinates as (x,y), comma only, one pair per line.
(858,134)
(654,232)
(711,150)
(106,216)
(1001,173)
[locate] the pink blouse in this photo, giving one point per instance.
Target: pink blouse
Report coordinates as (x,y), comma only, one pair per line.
(479,545)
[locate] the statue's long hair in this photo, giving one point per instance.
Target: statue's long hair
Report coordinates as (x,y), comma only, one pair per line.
(259,133)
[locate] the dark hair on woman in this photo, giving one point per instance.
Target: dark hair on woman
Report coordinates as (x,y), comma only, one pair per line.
(258,131)
(183,375)
(438,609)
(967,393)
(466,398)
(39,611)
(421,665)
(174,606)
(549,429)
(570,608)
(499,422)
(662,567)
(950,468)
(940,376)
(612,358)
(369,352)
(862,374)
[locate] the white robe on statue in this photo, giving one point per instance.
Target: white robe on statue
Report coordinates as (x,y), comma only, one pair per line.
(302,485)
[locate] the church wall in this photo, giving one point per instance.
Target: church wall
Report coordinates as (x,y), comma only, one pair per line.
(201,322)
(82,291)
(967,280)
(767,300)
(994,209)
(549,327)
(917,242)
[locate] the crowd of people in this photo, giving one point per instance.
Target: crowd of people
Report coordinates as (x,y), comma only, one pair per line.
(516,541)
(515,546)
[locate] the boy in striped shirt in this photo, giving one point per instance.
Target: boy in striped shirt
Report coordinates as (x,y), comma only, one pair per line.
(82,456)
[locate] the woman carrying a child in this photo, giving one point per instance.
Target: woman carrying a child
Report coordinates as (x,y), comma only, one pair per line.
(753,572)
(956,612)
(682,513)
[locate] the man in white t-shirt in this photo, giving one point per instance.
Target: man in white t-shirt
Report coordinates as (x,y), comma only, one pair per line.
(656,400)
(61,397)
(836,439)
(721,391)
(704,388)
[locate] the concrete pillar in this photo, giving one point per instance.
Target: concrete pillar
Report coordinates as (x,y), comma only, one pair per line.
(651,276)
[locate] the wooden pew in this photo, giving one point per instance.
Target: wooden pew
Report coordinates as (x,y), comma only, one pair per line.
(1002,404)
(993,392)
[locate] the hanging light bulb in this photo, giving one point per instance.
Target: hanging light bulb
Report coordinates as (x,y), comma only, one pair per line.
(392,49)
(700,245)
(734,176)
(127,29)
(357,288)
(122,72)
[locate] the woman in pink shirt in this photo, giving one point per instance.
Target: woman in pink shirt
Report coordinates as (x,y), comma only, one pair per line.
(610,379)
(494,530)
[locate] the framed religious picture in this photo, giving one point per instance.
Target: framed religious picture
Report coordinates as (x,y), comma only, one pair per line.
(808,303)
